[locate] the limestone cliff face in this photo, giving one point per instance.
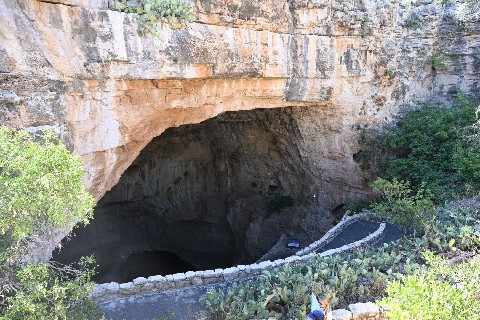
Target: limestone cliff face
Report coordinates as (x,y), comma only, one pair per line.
(84,70)
(81,69)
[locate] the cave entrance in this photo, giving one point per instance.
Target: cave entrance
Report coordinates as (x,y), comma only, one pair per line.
(203,196)
(148,263)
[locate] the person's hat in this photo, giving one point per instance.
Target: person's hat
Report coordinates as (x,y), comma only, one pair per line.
(316,314)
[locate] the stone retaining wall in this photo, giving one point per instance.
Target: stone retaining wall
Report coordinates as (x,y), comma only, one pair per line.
(108,291)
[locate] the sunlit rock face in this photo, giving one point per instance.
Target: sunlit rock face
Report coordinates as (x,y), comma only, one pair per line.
(85,71)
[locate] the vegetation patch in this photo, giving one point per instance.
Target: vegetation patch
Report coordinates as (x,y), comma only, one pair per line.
(437,61)
(40,187)
(152,14)
(432,146)
(441,292)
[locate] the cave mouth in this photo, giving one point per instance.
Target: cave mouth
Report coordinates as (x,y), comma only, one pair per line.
(200,196)
(148,263)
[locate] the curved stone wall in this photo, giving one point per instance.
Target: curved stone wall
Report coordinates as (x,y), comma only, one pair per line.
(109,291)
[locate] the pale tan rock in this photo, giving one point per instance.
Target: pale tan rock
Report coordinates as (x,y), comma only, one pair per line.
(341,314)
(363,311)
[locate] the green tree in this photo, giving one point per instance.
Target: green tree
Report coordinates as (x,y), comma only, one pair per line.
(40,184)
(41,187)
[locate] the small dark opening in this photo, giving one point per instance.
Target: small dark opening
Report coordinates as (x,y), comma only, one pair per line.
(338,212)
(147,263)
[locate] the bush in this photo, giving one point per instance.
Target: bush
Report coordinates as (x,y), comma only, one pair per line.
(427,146)
(399,204)
(430,293)
(151,14)
(40,184)
(40,187)
(47,292)
(437,61)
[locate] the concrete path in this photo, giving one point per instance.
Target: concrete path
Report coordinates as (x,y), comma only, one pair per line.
(351,233)
(184,303)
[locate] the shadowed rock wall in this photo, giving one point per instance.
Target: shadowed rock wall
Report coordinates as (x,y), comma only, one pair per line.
(203,191)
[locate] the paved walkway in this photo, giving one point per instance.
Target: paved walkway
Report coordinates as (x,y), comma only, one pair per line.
(351,233)
(184,303)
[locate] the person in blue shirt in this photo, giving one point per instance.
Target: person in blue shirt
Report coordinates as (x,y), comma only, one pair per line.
(317,311)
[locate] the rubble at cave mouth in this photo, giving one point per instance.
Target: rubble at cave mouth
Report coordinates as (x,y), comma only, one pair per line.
(198,197)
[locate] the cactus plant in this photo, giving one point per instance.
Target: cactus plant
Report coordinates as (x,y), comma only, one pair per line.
(152,14)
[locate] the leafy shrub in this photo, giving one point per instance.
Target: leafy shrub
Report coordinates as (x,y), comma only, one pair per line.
(40,187)
(413,23)
(151,14)
(40,183)
(389,72)
(441,228)
(46,292)
(401,205)
(437,61)
(467,155)
(467,161)
(425,146)
(430,294)
(279,202)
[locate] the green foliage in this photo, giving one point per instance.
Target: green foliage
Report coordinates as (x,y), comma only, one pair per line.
(47,293)
(389,72)
(421,148)
(437,61)
(454,228)
(284,292)
(467,161)
(40,187)
(430,294)
(168,315)
(40,184)
(279,202)
(401,205)
(467,154)
(413,23)
(151,14)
